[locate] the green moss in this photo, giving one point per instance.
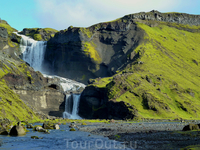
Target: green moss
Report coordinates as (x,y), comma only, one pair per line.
(90,51)
(49,30)
(84,124)
(72,129)
(117,136)
(37,37)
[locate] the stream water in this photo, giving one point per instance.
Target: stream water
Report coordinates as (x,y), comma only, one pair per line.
(33,53)
(61,139)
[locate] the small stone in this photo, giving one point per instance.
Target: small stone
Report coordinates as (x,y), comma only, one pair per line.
(72,129)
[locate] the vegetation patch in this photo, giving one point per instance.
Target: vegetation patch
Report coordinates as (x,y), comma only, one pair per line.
(90,51)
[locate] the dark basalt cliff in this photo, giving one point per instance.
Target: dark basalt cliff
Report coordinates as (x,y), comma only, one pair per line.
(102,49)
(97,51)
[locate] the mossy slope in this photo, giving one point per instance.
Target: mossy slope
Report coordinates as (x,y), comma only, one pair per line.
(164,81)
(11,106)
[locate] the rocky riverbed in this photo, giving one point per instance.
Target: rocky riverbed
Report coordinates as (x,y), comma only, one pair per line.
(148,135)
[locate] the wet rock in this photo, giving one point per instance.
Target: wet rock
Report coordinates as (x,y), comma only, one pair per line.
(47,126)
(56,126)
(191,127)
(84,124)
(72,129)
(36,137)
(3,131)
(17,130)
(40,129)
(30,126)
(72,126)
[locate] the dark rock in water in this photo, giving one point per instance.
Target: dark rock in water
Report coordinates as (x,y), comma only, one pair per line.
(40,129)
(191,127)
(3,131)
(56,126)
(47,126)
(72,129)
(36,137)
(30,126)
(17,130)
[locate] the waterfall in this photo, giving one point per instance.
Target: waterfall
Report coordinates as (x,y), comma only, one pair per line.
(33,53)
(71,106)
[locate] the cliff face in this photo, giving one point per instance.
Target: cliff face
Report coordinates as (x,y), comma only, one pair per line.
(162,82)
(97,51)
(102,49)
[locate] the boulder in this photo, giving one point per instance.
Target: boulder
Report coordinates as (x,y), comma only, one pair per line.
(191,127)
(30,126)
(56,126)
(72,129)
(40,129)
(47,126)
(17,130)
(3,131)
(36,137)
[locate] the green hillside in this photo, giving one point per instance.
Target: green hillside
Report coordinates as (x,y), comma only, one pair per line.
(164,82)
(11,106)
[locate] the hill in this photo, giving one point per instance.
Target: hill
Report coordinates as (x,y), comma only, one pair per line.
(161,81)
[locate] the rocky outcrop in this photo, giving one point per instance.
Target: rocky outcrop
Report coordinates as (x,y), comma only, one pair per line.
(174,17)
(41,94)
(97,51)
(39,34)
(94,104)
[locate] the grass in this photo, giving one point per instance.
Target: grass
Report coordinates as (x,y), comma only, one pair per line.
(158,88)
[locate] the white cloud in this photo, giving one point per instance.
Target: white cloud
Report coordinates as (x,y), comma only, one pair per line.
(60,14)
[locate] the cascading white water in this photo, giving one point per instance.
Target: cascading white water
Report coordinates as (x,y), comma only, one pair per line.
(72,100)
(33,53)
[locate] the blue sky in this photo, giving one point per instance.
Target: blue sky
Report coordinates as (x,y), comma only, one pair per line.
(60,14)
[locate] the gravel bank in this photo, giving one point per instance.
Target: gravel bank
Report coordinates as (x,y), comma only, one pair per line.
(148,135)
